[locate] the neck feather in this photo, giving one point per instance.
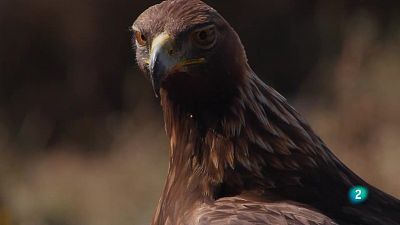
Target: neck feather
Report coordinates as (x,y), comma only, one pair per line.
(257,131)
(254,142)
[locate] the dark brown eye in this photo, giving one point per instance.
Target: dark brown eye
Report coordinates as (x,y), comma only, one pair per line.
(140,38)
(205,37)
(202,35)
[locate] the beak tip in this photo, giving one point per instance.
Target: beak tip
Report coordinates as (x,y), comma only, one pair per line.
(156,94)
(156,86)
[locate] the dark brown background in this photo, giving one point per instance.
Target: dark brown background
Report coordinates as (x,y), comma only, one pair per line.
(81,137)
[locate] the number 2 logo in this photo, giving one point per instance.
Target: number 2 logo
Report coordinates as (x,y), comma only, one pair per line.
(358,194)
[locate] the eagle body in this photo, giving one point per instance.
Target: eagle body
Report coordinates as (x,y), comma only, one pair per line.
(239,153)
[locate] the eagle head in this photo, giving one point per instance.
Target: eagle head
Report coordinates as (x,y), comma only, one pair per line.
(188,50)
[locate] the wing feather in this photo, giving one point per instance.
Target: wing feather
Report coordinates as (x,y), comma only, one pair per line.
(240,211)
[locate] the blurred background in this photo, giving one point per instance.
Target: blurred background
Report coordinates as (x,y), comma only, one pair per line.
(81,134)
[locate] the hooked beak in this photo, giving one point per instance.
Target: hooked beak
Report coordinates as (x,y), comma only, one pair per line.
(164,60)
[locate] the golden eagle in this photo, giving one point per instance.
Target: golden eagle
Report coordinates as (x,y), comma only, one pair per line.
(239,154)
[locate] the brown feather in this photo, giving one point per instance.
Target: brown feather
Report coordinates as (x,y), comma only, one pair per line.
(232,134)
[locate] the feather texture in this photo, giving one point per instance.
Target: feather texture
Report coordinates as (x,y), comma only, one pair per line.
(241,211)
(231,134)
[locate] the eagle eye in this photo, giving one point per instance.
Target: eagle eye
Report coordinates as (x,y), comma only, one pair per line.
(140,38)
(205,37)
